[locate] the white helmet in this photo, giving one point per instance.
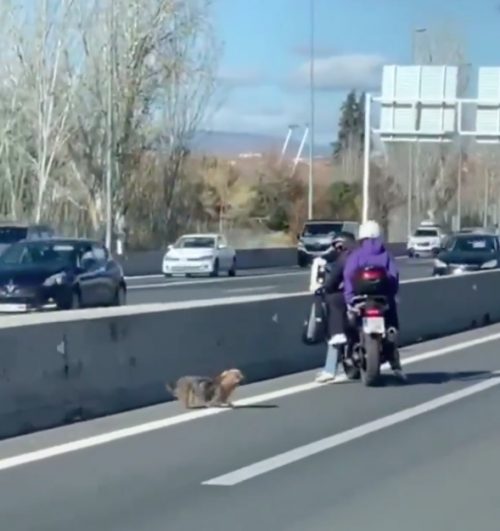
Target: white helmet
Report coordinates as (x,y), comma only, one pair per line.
(369,229)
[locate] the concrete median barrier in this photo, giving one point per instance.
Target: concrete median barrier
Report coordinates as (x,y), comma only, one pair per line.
(58,368)
(149,262)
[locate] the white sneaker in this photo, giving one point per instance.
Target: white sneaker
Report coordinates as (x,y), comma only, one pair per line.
(325,377)
(400,374)
(337,339)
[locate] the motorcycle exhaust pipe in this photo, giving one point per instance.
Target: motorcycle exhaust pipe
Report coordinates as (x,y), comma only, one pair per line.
(357,353)
(392,334)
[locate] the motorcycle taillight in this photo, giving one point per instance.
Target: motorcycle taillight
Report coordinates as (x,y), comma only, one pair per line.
(373,312)
(371,275)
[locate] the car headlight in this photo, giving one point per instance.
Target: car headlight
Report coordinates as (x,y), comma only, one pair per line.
(55,280)
(168,258)
(439,264)
(490,264)
(301,246)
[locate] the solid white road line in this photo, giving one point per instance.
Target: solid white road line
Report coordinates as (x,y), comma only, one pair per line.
(104,438)
(251,289)
(143,277)
(159,276)
(212,281)
(328,443)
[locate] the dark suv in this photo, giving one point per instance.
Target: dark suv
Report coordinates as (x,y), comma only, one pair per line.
(14,232)
(316,238)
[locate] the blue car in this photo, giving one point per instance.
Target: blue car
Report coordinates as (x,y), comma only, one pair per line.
(59,273)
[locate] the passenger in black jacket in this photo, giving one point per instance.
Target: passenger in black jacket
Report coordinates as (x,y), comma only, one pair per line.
(332,291)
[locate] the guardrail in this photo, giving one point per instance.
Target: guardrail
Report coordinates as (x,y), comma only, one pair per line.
(149,262)
(57,368)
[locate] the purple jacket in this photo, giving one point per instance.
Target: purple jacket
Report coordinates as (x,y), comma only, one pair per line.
(371,252)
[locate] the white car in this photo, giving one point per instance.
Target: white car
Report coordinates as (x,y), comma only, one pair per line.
(194,254)
(426,241)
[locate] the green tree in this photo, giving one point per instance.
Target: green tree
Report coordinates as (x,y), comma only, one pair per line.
(344,201)
(351,125)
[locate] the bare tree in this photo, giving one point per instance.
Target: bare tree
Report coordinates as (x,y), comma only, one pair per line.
(14,174)
(44,56)
(164,72)
(435,166)
(481,196)
(349,164)
(55,67)
(225,196)
(189,61)
(385,193)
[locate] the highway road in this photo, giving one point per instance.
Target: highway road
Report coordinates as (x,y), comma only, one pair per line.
(145,290)
(292,456)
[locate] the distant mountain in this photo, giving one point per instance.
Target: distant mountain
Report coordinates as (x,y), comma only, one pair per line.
(227,144)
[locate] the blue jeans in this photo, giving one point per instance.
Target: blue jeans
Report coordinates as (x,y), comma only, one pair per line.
(332,356)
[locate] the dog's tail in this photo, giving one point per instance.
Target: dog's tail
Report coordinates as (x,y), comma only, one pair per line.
(171,389)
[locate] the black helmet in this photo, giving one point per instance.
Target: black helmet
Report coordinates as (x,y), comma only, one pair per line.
(343,241)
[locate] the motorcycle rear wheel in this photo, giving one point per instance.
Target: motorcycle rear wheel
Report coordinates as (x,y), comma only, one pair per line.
(370,373)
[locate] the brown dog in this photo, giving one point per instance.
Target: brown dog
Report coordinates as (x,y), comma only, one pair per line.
(225,385)
(206,391)
(193,390)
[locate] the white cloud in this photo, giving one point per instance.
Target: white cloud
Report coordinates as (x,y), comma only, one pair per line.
(342,72)
(320,50)
(234,119)
(273,121)
(246,77)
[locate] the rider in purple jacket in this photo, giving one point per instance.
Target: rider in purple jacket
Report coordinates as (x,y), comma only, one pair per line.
(372,252)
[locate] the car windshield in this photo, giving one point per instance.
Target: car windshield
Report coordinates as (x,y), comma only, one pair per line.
(195,242)
(429,233)
(12,234)
(322,229)
(39,253)
(473,244)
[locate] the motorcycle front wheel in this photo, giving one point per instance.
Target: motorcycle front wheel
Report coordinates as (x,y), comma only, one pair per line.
(370,373)
(351,371)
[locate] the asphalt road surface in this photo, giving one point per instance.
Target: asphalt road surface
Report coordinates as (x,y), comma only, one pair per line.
(250,282)
(293,456)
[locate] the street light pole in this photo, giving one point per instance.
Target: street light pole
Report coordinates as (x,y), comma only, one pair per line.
(110,126)
(366,158)
(411,166)
(310,197)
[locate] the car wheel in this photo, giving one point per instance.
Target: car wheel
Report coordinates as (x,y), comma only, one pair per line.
(120,298)
(302,261)
(232,270)
(215,271)
(75,302)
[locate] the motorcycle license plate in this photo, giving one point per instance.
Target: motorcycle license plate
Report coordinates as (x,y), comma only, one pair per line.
(373,325)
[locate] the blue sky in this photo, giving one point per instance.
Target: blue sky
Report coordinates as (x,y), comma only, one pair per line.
(264,69)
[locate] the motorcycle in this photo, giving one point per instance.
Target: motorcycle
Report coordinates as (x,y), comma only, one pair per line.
(374,343)
(370,343)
